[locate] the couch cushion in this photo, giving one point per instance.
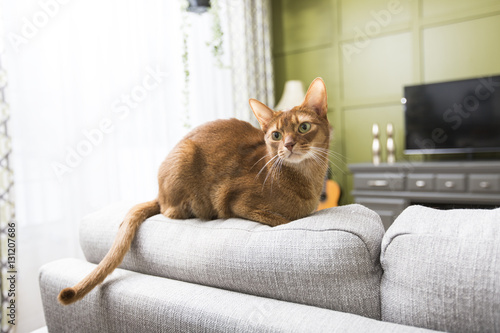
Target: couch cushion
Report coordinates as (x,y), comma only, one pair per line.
(133,302)
(442,270)
(330,259)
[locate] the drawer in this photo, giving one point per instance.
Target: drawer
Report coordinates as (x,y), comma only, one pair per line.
(484,183)
(381,181)
(420,182)
(386,204)
(450,183)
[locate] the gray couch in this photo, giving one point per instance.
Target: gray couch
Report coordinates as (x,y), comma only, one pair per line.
(335,271)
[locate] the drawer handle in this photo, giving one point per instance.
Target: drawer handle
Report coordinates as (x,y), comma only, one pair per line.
(378,183)
(484,184)
(449,184)
(420,183)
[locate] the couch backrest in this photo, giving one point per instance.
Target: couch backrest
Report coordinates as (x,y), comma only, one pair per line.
(442,270)
(330,259)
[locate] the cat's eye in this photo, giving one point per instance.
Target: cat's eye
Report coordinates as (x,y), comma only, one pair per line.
(304,127)
(276,136)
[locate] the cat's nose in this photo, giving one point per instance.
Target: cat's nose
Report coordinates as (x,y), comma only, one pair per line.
(289,144)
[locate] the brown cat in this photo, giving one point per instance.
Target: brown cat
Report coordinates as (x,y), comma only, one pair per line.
(228,168)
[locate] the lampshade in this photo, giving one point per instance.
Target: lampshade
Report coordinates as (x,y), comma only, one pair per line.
(293,95)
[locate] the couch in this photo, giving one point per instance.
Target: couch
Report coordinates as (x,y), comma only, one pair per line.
(334,271)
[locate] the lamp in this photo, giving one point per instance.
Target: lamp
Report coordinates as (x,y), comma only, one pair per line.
(293,95)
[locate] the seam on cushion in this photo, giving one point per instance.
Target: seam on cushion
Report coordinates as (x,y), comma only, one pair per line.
(270,229)
(391,239)
(429,234)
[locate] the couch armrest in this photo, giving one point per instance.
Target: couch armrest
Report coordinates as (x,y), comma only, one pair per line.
(329,259)
(442,270)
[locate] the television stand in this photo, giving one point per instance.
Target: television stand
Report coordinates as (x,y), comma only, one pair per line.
(389,188)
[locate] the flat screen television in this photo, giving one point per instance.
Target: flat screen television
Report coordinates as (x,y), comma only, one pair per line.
(453,117)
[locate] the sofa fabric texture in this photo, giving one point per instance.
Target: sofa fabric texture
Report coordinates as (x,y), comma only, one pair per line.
(328,260)
(334,271)
(442,270)
(130,302)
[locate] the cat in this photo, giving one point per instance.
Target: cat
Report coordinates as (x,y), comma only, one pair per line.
(229,168)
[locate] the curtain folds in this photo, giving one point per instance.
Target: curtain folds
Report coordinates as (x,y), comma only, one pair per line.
(95,89)
(8,227)
(249,30)
(242,67)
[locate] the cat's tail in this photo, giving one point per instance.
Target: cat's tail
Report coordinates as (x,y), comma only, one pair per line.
(115,255)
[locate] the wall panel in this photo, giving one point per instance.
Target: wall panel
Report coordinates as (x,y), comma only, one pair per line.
(379,70)
(454,9)
(461,50)
(307,25)
(362,15)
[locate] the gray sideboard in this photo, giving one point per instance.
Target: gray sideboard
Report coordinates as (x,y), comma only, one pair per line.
(389,189)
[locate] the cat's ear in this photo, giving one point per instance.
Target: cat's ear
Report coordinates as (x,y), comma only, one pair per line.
(316,98)
(263,113)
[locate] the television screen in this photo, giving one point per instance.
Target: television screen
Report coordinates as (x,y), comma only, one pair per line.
(453,117)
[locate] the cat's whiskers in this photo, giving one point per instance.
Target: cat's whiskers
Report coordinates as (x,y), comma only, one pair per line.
(278,169)
(322,152)
(319,157)
(260,159)
(275,167)
(265,165)
(310,149)
(273,170)
(334,155)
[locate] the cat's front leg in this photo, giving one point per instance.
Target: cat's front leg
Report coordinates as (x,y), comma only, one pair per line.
(260,214)
(177,213)
(270,218)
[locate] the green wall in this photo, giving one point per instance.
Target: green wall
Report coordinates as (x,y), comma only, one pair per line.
(367,51)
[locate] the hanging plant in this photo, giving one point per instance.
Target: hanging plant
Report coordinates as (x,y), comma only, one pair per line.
(217,34)
(185,25)
(216,44)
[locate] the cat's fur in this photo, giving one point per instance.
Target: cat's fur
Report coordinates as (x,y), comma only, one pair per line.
(228,168)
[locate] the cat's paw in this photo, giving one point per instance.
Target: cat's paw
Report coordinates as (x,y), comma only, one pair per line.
(177,213)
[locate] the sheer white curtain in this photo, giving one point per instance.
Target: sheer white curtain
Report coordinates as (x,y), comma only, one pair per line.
(95,89)
(8,266)
(246,58)
(95,92)
(249,28)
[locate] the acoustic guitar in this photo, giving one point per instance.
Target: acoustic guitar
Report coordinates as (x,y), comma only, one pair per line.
(330,195)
